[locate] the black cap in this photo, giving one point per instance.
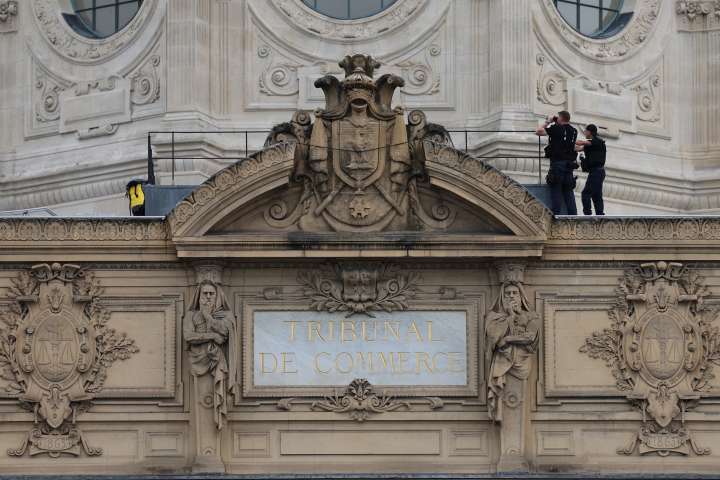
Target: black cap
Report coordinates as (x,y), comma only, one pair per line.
(592,129)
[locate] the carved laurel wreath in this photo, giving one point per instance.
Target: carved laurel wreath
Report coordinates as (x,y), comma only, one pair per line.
(391,291)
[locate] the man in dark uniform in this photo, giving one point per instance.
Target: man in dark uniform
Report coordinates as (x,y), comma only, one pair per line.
(594,163)
(562,155)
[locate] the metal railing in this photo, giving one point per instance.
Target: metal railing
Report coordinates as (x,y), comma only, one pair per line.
(28,210)
(246,133)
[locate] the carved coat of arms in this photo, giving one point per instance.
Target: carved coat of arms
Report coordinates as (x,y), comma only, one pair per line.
(663,345)
(357,169)
(358,150)
(55,352)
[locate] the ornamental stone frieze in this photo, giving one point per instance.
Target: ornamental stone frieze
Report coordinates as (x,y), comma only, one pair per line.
(638,229)
(82,229)
(55,350)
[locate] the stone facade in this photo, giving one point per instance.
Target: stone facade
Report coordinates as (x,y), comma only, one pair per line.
(359,297)
(75,113)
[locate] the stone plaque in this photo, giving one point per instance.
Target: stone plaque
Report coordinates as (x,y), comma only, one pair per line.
(293,352)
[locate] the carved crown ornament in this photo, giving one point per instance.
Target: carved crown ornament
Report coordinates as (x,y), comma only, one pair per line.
(613,49)
(81,50)
(55,349)
(662,344)
(316,24)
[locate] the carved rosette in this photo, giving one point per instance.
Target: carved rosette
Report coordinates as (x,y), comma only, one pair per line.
(663,347)
(55,352)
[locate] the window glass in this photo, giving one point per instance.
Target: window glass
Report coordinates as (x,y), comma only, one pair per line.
(589,17)
(349,9)
(105,17)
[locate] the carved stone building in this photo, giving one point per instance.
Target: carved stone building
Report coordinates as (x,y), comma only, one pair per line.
(79,93)
(359,297)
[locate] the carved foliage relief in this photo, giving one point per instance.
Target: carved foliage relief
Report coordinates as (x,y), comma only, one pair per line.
(662,345)
(55,348)
(79,49)
(359,289)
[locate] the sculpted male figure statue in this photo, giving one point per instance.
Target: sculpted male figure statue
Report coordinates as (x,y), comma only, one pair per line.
(207,327)
(511,340)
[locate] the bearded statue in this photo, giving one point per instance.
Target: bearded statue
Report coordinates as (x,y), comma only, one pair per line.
(209,332)
(511,340)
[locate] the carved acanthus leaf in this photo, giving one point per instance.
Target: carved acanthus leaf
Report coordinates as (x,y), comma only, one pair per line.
(355,289)
(360,400)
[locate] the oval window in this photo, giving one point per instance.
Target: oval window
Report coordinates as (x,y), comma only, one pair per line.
(592,18)
(102,18)
(349,9)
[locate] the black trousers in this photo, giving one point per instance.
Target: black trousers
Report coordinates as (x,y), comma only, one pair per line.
(593,191)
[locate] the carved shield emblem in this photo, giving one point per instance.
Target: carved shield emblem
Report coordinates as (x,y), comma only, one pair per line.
(662,347)
(359,284)
(56,348)
(359,154)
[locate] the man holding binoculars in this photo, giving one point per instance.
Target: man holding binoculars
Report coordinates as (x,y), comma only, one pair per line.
(561,152)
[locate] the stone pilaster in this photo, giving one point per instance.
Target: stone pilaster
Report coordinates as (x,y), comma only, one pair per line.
(189,55)
(510,81)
